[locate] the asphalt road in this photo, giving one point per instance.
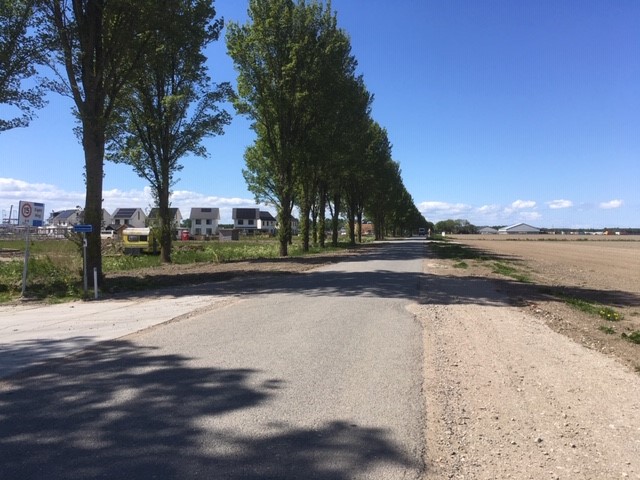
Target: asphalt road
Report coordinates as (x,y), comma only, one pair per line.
(312,376)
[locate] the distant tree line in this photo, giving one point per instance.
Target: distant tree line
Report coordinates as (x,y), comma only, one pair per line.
(317,146)
(142,95)
(455,226)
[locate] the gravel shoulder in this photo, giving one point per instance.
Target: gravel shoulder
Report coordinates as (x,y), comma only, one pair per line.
(508,396)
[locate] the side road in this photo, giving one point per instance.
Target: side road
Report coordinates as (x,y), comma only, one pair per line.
(31,334)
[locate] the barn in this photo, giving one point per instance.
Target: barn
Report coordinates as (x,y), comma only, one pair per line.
(519,228)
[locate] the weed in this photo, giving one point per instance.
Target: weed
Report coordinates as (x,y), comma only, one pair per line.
(633,337)
(502,268)
(461,264)
(606,329)
(606,313)
(609,314)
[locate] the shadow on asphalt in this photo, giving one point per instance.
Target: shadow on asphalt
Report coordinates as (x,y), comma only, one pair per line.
(421,287)
(120,410)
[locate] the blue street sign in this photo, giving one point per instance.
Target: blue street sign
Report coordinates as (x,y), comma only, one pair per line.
(83,228)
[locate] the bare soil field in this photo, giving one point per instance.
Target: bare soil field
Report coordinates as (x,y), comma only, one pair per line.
(519,384)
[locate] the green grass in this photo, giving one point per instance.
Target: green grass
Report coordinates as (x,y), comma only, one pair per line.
(55,266)
(461,264)
(502,268)
(592,308)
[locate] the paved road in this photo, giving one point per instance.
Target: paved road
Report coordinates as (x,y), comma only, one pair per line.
(313,376)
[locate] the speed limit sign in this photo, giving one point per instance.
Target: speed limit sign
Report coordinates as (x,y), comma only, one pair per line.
(26,210)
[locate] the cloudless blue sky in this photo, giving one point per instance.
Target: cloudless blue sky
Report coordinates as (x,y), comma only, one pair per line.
(498,112)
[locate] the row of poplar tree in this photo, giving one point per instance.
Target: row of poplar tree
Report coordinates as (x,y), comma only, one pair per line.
(137,74)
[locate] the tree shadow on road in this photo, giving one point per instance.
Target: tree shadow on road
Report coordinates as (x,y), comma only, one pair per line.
(124,411)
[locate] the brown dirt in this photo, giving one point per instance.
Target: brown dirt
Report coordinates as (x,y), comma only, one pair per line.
(517,383)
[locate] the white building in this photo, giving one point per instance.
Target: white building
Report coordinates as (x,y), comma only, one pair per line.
(519,228)
(204,221)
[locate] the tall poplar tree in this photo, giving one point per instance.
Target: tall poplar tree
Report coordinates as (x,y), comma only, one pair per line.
(170,105)
(275,55)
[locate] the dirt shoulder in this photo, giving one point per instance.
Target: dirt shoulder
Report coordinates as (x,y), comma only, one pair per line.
(515,385)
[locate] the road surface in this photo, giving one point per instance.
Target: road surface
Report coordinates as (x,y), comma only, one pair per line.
(313,376)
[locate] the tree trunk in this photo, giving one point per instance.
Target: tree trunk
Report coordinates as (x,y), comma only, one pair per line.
(93,145)
(164,214)
(335,219)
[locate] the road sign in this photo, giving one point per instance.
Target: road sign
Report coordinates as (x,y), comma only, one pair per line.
(31,214)
(83,228)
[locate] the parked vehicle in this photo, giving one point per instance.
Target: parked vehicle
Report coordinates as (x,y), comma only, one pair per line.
(139,240)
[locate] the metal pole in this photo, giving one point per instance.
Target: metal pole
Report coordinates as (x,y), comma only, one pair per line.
(84,251)
(26,262)
(95,282)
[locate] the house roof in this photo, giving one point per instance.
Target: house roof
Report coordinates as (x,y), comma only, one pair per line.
(519,226)
(205,212)
(63,214)
(266,217)
(246,213)
(124,212)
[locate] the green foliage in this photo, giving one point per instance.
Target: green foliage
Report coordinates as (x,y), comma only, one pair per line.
(633,337)
(20,52)
(47,278)
(609,314)
(456,227)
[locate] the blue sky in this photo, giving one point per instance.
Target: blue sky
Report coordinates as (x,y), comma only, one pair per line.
(498,112)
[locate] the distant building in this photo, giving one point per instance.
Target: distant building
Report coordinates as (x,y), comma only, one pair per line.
(131,217)
(487,231)
(519,228)
(246,219)
(267,223)
(65,218)
(204,221)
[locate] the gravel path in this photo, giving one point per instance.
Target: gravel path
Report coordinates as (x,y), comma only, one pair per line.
(507,397)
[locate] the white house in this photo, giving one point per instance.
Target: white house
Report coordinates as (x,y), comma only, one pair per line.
(519,228)
(204,221)
(487,231)
(267,223)
(65,218)
(246,219)
(132,217)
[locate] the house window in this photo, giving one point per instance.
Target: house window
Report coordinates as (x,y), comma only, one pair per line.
(198,231)
(126,221)
(240,222)
(117,221)
(198,221)
(250,222)
(208,221)
(209,231)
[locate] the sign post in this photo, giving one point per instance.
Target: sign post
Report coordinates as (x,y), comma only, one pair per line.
(30,214)
(84,229)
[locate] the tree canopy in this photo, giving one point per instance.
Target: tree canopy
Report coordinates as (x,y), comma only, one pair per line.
(20,53)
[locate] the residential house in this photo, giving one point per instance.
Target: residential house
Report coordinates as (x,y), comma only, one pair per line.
(65,218)
(132,217)
(246,219)
(519,228)
(176,217)
(267,223)
(204,221)
(107,219)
